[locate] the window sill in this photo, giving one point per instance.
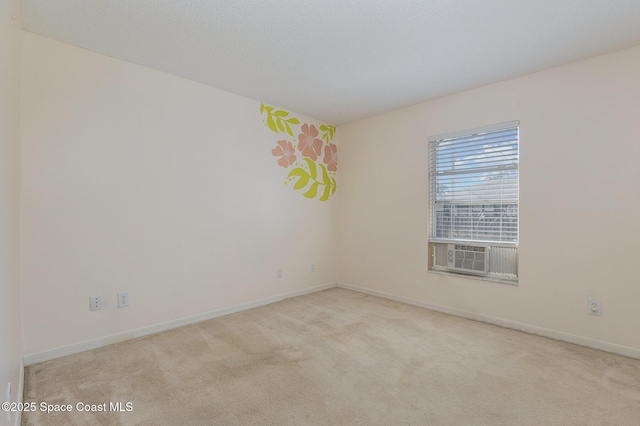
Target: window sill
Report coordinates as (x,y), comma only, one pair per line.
(473,277)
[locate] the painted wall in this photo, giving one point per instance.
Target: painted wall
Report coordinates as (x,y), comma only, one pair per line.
(10,333)
(136,180)
(579,192)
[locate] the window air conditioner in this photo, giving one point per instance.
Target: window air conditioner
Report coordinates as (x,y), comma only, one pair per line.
(467,258)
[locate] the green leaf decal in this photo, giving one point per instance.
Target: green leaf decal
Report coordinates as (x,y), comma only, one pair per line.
(303,177)
(298,171)
(325,175)
(328,132)
(302,182)
(312,168)
(277,121)
(313,191)
(271,123)
(326,194)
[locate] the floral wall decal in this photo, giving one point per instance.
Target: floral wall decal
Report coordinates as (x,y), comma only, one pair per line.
(331,157)
(308,143)
(286,151)
(329,131)
(316,174)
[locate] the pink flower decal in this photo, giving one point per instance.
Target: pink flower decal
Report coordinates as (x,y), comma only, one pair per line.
(308,143)
(286,151)
(331,157)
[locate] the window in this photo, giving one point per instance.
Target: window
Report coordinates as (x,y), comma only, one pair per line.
(473,191)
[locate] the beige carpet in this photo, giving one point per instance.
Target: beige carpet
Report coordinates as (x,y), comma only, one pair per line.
(340,358)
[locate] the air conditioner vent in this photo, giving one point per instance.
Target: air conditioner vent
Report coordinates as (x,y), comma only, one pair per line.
(468,258)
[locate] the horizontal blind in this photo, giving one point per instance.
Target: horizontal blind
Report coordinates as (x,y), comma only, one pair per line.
(474,185)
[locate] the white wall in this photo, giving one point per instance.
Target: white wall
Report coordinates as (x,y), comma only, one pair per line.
(136,180)
(579,199)
(10,334)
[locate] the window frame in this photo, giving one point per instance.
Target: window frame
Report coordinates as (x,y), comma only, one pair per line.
(434,265)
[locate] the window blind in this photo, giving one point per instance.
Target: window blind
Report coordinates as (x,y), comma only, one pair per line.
(474,185)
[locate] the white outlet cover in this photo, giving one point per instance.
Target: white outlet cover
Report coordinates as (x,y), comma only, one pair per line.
(95,303)
(123,300)
(594,306)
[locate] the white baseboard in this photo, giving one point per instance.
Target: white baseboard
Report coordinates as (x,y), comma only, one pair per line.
(157,328)
(531,329)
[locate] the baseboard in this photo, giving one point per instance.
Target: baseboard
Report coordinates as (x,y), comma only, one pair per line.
(157,328)
(20,396)
(531,329)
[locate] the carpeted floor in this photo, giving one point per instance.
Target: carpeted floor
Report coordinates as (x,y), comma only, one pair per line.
(339,358)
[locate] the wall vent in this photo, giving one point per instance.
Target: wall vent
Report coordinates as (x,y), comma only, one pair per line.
(468,258)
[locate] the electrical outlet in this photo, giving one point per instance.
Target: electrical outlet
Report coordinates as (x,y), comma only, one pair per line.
(123,300)
(95,303)
(313,267)
(594,307)
(279,273)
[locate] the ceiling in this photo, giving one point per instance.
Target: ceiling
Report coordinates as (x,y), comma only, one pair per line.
(341,60)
